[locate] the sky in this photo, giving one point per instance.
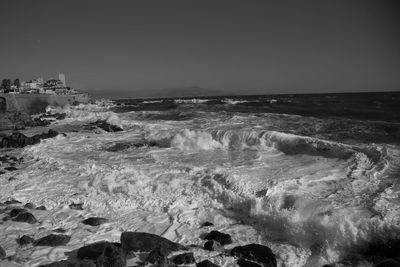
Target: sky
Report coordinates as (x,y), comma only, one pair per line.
(240,47)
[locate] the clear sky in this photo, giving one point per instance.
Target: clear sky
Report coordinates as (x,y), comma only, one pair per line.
(123,47)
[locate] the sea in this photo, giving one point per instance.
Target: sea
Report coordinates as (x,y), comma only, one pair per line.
(315,177)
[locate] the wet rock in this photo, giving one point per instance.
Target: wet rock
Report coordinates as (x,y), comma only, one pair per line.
(185,258)
(94,250)
(25,217)
(25,240)
(10,169)
(207,224)
(246,263)
(41,208)
(29,206)
(53,240)
(76,206)
(1,172)
(213,245)
(165,263)
(71,263)
(94,221)
(223,239)
(139,241)
(111,256)
(158,254)
(11,202)
(17,139)
(256,253)
(59,230)
(15,212)
(206,263)
(2,253)
(107,127)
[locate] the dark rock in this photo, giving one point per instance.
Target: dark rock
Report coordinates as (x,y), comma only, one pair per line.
(25,217)
(71,263)
(185,258)
(11,178)
(255,253)
(388,263)
(213,245)
(206,263)
(29,206)
(41,208)
(59,230)
(207,224)
(246,263)
(223,239)
(107,127)
(139,241)
(92,251)
(15,212)
(165,263)
(25,240)
(53,240)
(1,172)
(2,253)
(17,139)
(12,201)
(112,256)
(76,206)
(10,169)
(158,255)
(94,221)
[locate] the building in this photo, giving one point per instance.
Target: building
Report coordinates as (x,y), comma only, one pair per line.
(53,84)
(61,77)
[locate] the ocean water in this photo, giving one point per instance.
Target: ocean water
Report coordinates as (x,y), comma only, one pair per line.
(314,177)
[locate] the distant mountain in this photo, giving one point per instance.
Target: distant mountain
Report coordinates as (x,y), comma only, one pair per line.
(183,92)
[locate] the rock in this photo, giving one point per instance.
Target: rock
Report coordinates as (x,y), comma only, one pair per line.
(10,169)
(246,263)
(59,230)
(206,263)
(25,217)
(112,256)
(53,240)
(41,208)
(185,258)
(386,263)
(92,251)
(76,206)
(207,224)
(256,253)
(94,221)
(1,172)
(223,239)
(29,206)
(25,240)
(15,212)
(17,139)
(213,245)
(158,255)
(139,241)
(12,201)
(71,263)
(2,253)
(106,126)
(165,263)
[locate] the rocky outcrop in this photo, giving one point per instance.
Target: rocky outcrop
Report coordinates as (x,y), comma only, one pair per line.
(19,121)
(17,139)
(254,255)
(223,239)
(94,221)
(106,126)
(139,241)
(53,240)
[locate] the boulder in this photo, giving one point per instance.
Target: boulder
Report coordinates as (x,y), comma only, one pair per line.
(106,126)
(10,169)
(112,256)
(53,240)
(213,245)
(2,253)
(41,208)
(139,241)
(11,202)
(158,254)
(25,217)
(94,221)
(15,212)
(25,240)
(206,263)
(185,258)
(29,206)
(17,139)
(207,224)
(76,206)
(256,253)
(245,263)
(92,251)
(223,239)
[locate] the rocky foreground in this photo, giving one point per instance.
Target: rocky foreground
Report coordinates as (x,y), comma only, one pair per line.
(154,250)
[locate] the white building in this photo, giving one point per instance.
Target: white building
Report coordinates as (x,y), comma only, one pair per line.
(61,77)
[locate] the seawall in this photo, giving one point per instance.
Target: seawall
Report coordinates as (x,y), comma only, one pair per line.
(37,103)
